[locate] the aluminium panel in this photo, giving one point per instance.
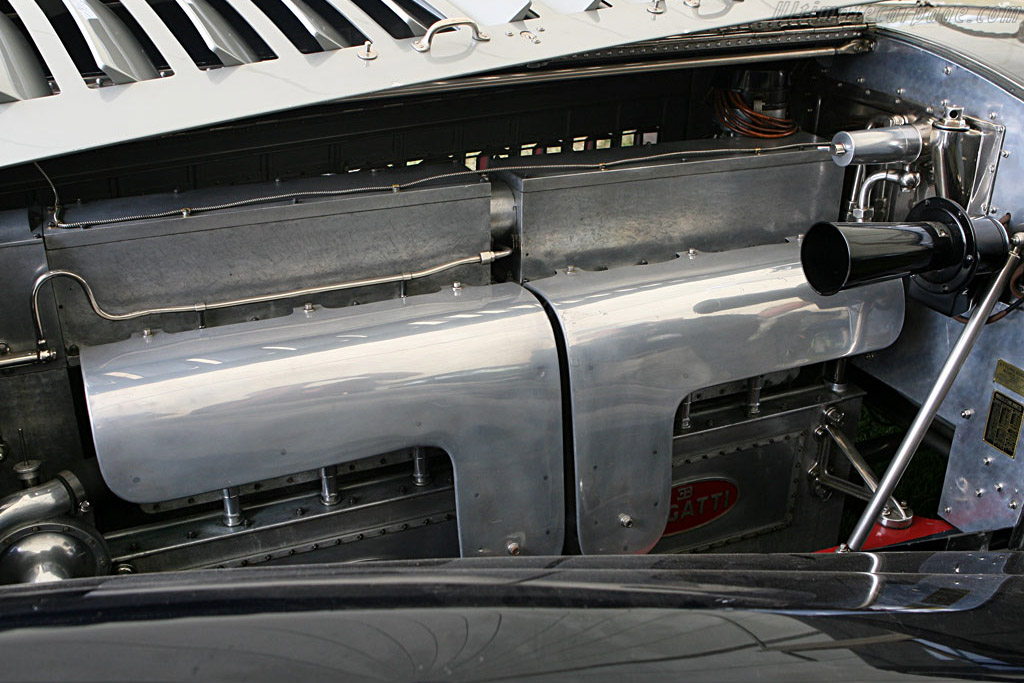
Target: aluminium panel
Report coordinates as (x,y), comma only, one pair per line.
(767,458)
(625,215)
(264,248)
(640,339)
(473,372)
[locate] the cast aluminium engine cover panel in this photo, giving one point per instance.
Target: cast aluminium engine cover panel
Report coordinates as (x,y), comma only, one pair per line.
(471,371)
(640,339)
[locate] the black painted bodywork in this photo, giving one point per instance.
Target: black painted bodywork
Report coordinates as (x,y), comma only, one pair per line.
(864,616)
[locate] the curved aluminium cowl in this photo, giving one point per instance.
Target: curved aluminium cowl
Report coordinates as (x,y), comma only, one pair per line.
(472,371)
(640,339)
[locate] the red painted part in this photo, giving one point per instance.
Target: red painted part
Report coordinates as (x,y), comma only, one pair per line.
(697,503)
(880,537)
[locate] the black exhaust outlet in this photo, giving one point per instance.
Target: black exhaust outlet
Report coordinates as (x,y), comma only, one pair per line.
(939,246)
(837,256)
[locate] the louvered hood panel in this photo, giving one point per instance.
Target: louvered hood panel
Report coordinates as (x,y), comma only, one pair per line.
(260,70)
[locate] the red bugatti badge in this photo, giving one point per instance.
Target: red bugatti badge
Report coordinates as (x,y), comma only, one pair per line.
(697,503)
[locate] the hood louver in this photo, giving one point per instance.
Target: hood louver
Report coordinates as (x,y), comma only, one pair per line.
(162,55)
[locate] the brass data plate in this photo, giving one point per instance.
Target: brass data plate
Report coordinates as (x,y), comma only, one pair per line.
(1010,376)
(1002,428)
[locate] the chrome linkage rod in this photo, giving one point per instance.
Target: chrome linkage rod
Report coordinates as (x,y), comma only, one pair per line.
(931,404)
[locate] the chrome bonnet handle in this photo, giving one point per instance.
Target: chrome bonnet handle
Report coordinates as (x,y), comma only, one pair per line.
(423,44)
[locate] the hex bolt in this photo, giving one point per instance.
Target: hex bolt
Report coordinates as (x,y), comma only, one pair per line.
(125,568)
(1012,505)
(967,413)
(456,287)
(947,510)
(513,548)
(84,507)
(570,270)
(987,462)
(626,521)
(979,492)
(307,307)
(947,70)
(843,548)
(147,332)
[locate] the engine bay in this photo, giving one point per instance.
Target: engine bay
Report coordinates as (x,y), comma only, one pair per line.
(675,310)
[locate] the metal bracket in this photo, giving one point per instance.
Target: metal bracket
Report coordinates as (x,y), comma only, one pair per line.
(895,515)
(423,44)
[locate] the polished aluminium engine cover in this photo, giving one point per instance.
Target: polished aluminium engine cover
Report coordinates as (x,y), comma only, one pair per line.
(472,371)
(641,339)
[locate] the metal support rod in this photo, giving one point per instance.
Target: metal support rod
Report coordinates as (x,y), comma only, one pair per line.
(856,46)
(232,515)
(684,413)
(329,485)
(837,375)
(930,406)
(848,449)
(13,359)
(843,486)
(420,467)
(754,386)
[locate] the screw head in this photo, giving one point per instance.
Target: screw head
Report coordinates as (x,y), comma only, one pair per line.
(947,70)
(947,510)
(967,413)
(1012,505)
(84,506)
(513,548)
